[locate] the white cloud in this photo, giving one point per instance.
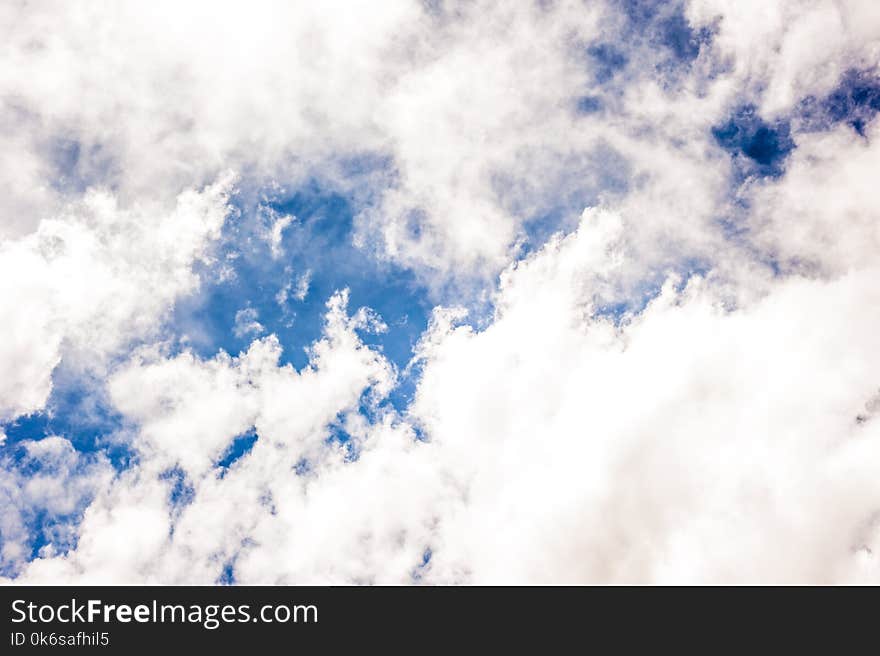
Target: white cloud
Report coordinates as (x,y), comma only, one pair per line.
(297,289)
(690,443)
(189,410)
(276,232)
(302,286)
(246,323)
(822,217)
(790,50)
(93,278)
(470,103)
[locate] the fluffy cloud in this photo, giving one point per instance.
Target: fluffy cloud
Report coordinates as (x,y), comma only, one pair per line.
(789,50)
(93,278)
(808,228)
(297,506)
(474,105)
(688,443)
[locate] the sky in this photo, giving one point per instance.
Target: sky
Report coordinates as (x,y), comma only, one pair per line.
(440,292)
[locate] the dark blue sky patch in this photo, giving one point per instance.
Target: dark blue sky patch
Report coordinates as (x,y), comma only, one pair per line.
(57,532)
(855,101)
(642,12)
(47,531)
(317,247)
(227,574)
(665,24)
(606,61)
(589,105)
(639,38)
(44,528)
(181,492)
(407,381)
(757,147)
(420,569)
(27,427)
(77,409)
(419,432)
(241,445)
(676,33)
(338,436)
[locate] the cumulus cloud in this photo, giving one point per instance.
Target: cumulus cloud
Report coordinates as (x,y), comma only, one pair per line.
(189,411)
(91,279)
(467,102)
(807,227)
(479,108)
(687,443)
(792,49)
